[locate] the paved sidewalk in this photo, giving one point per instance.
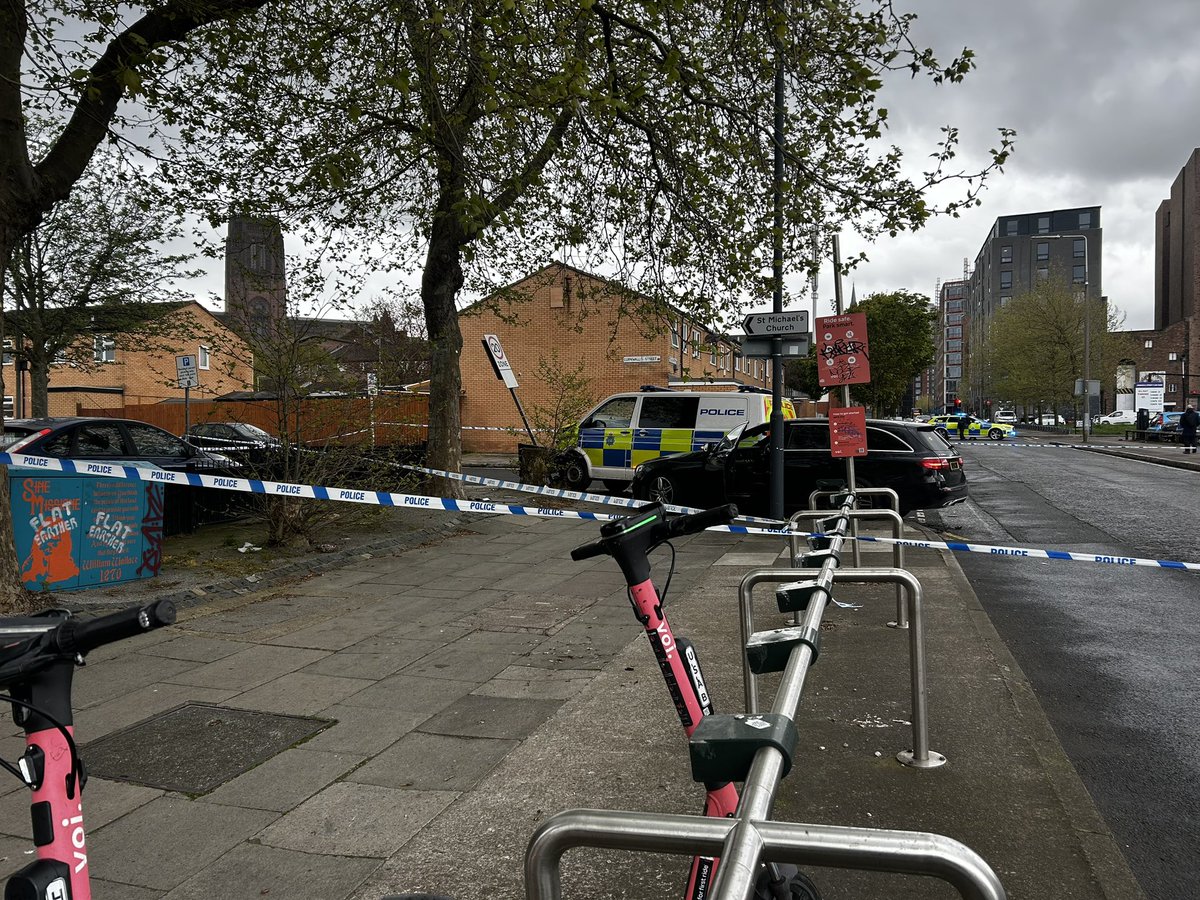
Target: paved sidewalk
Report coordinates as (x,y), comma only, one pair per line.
(470,687)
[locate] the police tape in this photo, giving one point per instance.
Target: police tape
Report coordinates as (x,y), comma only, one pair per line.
(568,494)
(973,445)
(420,501)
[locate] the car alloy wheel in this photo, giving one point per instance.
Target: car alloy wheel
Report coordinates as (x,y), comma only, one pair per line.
(660,489)
(996,434)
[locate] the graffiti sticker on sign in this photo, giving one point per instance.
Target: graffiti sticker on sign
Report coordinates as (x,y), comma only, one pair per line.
(842,352)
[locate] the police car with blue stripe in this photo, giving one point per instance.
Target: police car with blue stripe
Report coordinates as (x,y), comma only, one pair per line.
(626,430)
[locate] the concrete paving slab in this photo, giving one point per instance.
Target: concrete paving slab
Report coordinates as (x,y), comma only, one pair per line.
(371,666)
(356,820)
(299,693)
(584,645)
(396,637)
(364,730)
(253,871)
(117,677)
(330,634)
(285,781)
(195,648)
(748,560)
(495,717)
(16,852)
(200,833)
(112,890)
(411,693)
(121,712)
(522,682)
(461,762)
(476,657)
(253,666)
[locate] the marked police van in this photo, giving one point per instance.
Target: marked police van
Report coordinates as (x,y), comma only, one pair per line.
(628,429)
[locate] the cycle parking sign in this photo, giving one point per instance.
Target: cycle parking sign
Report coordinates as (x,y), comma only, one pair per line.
(842,352)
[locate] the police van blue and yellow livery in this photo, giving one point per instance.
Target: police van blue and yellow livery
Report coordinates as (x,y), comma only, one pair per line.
(626,430)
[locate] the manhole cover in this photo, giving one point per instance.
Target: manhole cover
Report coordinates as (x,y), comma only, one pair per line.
(195,748)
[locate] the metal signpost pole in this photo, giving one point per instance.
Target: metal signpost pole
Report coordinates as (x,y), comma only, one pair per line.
(776,505)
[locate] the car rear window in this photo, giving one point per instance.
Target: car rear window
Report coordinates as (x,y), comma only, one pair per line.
(924,437)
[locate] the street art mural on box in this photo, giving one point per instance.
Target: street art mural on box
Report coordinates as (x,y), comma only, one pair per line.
(74,531)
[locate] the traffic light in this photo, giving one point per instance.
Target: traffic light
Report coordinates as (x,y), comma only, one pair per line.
(957,403)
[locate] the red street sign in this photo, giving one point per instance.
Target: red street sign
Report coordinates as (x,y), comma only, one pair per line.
(848,431)
(842,356)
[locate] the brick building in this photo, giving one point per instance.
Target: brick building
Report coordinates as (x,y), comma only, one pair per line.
(582,318)
(1169,355)
(131,370)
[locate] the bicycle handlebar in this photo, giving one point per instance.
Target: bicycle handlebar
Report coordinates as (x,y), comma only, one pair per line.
(84,635)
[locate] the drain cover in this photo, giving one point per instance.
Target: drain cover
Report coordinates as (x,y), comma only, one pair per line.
(195,747)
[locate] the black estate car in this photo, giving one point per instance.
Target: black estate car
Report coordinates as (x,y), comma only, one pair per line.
(119,440)
(908,457)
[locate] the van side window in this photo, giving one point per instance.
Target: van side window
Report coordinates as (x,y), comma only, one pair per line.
(668,412)
(616,413)
(807,437)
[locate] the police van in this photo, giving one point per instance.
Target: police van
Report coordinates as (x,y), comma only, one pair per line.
(626,430)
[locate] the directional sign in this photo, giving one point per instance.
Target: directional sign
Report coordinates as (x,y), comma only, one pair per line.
(776,324)
(187,371)
(764,347)
(372,384)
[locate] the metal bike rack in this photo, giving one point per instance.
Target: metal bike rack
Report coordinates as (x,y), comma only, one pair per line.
(854,514)
(749,837)
(894,502)
(903,852)
(920,757)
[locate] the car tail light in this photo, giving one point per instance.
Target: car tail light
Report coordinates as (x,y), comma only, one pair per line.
(942,462)
(28,439)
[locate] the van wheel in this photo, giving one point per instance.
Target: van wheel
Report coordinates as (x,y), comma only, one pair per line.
(575,474)
(659,489)
(616,487)
(996,434)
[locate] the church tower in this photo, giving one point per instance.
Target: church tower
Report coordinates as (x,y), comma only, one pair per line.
(255,282)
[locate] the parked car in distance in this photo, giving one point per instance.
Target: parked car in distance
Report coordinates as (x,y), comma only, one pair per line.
(1118,417)
(78,437)
(1164,426)
(909,457)
(1005,416)
(238,440)
(1051,419)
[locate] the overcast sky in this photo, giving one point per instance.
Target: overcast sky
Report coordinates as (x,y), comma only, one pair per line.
(1105,98)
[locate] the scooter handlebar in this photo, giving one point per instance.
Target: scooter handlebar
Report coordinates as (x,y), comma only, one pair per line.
(690,524)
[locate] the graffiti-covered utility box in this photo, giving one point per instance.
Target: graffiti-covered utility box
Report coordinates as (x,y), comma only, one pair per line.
(77,531)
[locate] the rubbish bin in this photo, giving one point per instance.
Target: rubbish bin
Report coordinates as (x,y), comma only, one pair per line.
(77,531)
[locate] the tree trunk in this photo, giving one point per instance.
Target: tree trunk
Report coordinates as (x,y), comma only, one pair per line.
(39,387)
(440,283)
(12,592)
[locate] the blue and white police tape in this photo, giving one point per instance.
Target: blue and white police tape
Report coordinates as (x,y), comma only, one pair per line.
(1007,552)
(568,494)
(420,501)
(308,491)
(1056,446)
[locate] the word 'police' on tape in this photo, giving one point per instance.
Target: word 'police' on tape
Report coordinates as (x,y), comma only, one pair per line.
(420,501)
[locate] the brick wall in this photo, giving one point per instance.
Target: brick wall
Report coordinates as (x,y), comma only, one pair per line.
(1181,340)
(144,369)
(561,309)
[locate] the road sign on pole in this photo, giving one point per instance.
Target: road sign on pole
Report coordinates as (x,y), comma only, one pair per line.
(763,347)
(776,324)
(187,371)
(843,356)
(500,363)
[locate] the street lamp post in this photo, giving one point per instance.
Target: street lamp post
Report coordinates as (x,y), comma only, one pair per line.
(1087,331)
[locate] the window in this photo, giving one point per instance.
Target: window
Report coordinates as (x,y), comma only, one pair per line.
(953,345)
(712,355)
(150,441)
(102,439)
(1172,356)
(737,362)
(1043,272)
(60,357)
(1172,388)
(1085,220)
(954,358)
(1043,251)
(1043,224)
(1006,279)
(954,371)
(808,437)
(695,344)
(1149,344)
(954,319)
(1004,300)
(954,331)
(9,409)
(104,349)
(616,413)
(1079,248)
(1010,227)
(1078,274)
(954,306)
(878,439)
(952,387)
(684,338)
(668,412)
(8,357)
(1006,253)
(674,334)
(202,357)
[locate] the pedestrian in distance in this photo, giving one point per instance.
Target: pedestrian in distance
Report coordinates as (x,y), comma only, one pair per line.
(1187,429)
(1143,422)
